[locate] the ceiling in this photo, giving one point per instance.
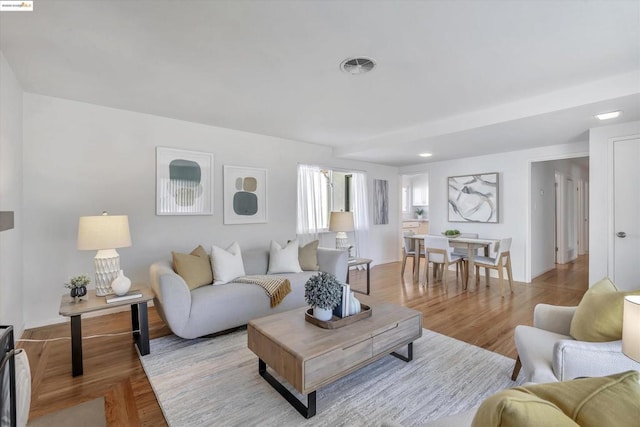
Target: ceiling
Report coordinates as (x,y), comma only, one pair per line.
(454,78)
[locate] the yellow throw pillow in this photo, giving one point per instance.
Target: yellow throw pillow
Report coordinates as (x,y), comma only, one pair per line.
(194,268)
(589,402)
(598,317)
(518,408)
(308,256)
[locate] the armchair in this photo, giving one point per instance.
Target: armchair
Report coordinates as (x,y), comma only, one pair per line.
(547,352)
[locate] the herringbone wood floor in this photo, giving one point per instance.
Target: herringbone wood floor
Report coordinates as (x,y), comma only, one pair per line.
(112,368)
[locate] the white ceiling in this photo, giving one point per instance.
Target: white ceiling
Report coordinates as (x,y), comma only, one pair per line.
(456,78)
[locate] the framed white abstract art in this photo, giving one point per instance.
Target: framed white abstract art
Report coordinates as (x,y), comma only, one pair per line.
(184,182)
(245,195)
(473,198)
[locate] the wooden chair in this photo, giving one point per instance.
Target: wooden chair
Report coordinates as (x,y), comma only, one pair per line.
(462,251)
(501,261)
(439,253)
(409,251)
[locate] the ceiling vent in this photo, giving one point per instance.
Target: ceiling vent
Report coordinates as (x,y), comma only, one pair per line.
(359,65)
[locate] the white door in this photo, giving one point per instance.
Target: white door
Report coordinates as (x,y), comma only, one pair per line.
(566,219)
(571,219)
(626,158)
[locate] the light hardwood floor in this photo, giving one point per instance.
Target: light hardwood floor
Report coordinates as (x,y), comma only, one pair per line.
(112,368)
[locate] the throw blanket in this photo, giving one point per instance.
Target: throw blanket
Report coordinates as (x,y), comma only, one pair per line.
(276,287)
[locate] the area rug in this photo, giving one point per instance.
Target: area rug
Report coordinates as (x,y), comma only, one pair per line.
(215,381)
(87,414)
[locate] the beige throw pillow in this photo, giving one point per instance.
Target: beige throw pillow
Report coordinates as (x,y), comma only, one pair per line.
(598,317)
(194,268)
(308,256)
(588,402)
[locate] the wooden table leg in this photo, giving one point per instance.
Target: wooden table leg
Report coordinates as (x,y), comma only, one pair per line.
(76,346)
(471,254)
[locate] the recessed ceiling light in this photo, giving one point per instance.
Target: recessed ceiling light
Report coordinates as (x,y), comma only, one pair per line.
(358,65)
(425,154)
(607,116)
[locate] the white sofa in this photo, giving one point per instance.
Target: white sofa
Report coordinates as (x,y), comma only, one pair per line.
(210,309)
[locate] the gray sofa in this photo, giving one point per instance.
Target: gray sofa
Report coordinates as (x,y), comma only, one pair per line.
(210,309)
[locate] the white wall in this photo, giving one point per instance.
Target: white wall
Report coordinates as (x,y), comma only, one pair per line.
(11,284)
(81,159)
(542,217)
(514,195)
(601,196)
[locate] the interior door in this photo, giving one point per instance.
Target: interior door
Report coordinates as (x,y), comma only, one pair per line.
(626,158)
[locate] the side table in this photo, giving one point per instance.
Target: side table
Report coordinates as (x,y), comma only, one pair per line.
(90,303)
(361,261)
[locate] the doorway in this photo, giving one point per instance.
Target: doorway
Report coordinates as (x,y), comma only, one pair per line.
(558,213)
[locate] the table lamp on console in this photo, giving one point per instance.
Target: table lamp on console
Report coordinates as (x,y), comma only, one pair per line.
(342,222)
(104,233)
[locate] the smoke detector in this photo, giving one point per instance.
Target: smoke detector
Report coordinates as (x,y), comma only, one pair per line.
(358,65)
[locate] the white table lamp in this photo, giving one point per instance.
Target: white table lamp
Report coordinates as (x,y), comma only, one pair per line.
(104,233)
(341,222)
(631,327)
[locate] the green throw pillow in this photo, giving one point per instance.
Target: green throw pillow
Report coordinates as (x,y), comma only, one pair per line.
(308,256)
(194,268)
(588,402)
(598,317)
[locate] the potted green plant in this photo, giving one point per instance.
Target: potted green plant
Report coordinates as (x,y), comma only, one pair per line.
(78,286)
(419,212)
(323,292)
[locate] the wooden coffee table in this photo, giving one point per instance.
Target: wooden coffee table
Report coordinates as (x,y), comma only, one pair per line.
(309,357)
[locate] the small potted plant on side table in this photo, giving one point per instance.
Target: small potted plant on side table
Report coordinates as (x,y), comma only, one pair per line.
(78,286)
(323,292)
(419,212)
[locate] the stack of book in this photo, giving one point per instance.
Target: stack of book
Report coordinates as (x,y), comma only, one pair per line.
(343,309)
(132,294)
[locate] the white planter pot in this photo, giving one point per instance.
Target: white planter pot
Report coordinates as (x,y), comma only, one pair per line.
(322,313)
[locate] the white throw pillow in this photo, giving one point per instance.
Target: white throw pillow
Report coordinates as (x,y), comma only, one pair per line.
(226,263)
(284,260)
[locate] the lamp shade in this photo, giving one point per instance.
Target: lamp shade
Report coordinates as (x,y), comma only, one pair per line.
(341,221)
(103,232)
(631,327)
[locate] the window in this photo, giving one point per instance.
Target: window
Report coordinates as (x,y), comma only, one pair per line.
(321,191)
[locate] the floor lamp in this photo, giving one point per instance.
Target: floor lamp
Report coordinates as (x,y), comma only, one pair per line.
(104,233)
(341,222)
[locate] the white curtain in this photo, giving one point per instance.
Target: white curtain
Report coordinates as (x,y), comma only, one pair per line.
(312,197)
(361,214)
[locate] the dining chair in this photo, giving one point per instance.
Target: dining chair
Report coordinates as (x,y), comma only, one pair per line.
(439,253)
(409,251)
(501,261)
(463,251)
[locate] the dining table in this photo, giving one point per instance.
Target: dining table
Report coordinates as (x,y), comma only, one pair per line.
(471,244)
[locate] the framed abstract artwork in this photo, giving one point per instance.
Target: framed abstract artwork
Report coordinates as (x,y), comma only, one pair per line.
(380,201)
(184,182)
(245,195)
(474,198)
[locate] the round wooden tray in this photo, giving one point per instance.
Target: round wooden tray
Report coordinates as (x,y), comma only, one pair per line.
(338,322)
